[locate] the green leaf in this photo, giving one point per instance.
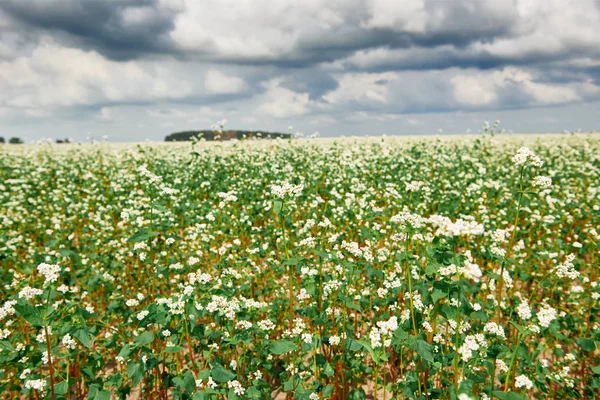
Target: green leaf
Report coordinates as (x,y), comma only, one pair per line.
(353,306)
(61,387)
(586,344)
(126,350)
(172,349)
(187,382)
(522,330)
(399,336)
(292,261)
(159,207)
(509,396)
(84,336)
(144,338)
(368,347)
(328,371)
(423,349)
(437,294)
(282,347)
(353,345)
(135,371)
(103,395)
(596,370)
(222,375)
(277,206)
(142,235)
(66,252)
(29,313)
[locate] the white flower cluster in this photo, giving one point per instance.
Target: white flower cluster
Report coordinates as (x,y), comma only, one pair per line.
(334,340)
(472,343)
(237,387)
(69,342)
(49,271)
(201,277)
(406,218)
(286,190)
(29,293)
(266,325)
(524,155)
(243,325)
(221,305)
(542,182)
(493,328)
(142,314)
(567,269)
(36,384)
(384,329)
(7,309)
(414,186)
(157,181)
(523,381)
(546,315)
(523,310)
(461,227)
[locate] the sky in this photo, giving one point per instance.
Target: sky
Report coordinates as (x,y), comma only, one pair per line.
(136,70)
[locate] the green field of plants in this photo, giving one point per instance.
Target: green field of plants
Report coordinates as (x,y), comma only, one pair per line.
(431,268)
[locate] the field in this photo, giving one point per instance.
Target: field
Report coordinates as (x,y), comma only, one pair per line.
(427,268)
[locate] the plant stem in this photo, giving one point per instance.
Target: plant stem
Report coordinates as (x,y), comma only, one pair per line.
(510,244)
(512,362)
(48,348)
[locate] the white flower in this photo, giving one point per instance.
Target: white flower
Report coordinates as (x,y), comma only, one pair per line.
(523,310)
(523,155)
(29,293)
(286,190)
(36,384)
(237,387)
(307,338)
(49,271)
(523,381)
(542,182)
(334,340)
(142,314)
(546,315)
(69,342)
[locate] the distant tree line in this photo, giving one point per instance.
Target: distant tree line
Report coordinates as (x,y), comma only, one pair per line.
(225,135)
(17,140)
(12,140)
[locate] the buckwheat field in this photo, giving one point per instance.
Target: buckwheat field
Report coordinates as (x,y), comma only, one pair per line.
(381,268)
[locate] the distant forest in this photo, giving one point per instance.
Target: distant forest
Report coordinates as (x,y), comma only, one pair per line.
(225,135)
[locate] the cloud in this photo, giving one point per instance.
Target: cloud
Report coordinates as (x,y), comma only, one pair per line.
(280,102)
(218,83)
(58,76)
(367,61)
(506,85)
(361,87)
(121,30)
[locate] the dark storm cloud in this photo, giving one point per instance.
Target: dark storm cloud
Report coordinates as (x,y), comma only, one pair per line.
(104,26)
(321,61)
(98,24)
(132,29)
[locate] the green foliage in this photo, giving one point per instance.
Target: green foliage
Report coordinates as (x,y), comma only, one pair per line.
(228,134)
(436,269)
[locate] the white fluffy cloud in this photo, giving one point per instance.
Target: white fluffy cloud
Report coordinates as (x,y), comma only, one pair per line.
(187,63)
(361,87)
(484,88)
(219,83)
(280,102)
(53,75)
